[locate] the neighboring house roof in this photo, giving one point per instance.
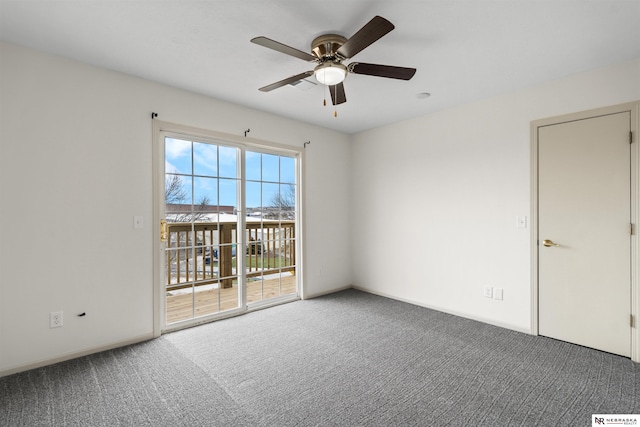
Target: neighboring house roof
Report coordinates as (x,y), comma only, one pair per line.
(187,208)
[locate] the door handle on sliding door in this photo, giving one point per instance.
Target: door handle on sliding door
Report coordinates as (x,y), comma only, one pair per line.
(164,230)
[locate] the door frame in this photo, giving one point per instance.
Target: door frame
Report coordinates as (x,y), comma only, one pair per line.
(247,143)
(634,109)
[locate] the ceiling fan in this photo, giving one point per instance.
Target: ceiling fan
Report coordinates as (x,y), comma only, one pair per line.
(330,50)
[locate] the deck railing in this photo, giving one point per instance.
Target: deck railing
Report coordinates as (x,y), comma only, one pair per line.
(206,253)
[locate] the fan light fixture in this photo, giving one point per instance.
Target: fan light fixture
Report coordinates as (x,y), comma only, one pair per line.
(330,73)
(328,51)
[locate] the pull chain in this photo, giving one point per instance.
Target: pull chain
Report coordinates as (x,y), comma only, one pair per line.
(325,93)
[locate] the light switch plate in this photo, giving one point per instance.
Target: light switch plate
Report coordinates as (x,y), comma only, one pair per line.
(521,222)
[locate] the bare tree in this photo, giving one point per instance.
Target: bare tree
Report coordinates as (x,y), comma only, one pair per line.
(173,191)
(283,204)
(175,194)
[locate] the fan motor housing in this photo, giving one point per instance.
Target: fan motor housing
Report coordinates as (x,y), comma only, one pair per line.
(326,46)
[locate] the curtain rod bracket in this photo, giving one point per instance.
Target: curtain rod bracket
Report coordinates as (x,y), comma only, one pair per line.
(307,143)
(154,115)
(246,132)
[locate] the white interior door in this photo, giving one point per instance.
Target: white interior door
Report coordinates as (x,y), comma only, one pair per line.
(584,272)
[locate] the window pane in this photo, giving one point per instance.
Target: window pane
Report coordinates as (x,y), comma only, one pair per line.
(252,166)
(182,298)
(228,162)
(205,193)
(177,153)
(253,196)
(270,198)
(177,190)
(287,170)
(287,199)
(229,193)
(207,299)
(205,159)
(270,168)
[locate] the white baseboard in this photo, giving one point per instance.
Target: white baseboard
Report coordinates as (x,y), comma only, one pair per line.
(73,355)
(459,314)
(146,337)
(332,291)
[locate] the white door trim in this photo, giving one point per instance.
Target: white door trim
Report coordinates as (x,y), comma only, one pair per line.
(634,109)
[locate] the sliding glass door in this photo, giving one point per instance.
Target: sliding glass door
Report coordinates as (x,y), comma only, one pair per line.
(228,225)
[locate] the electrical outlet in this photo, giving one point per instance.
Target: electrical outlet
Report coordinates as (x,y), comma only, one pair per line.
(55,319)
(497,293)
(488,292)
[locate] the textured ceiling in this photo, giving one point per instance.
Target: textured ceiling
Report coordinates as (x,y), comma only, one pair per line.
(463,50)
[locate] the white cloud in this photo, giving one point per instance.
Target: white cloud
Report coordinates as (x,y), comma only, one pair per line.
(175,148)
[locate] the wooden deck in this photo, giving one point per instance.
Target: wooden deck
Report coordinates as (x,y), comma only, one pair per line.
(180,306)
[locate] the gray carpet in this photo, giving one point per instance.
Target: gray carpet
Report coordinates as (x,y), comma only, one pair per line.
(346,359)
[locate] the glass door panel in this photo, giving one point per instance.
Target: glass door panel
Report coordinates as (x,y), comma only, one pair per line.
(201,205)
(270,265)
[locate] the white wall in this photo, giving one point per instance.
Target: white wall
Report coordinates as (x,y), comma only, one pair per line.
(75,167)
(435,199)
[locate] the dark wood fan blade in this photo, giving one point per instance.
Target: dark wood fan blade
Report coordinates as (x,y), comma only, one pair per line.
(283,48)
(286,81)
(372,31)
(337,94)
(401,73)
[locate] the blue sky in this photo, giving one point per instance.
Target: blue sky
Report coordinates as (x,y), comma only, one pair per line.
(215,172)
